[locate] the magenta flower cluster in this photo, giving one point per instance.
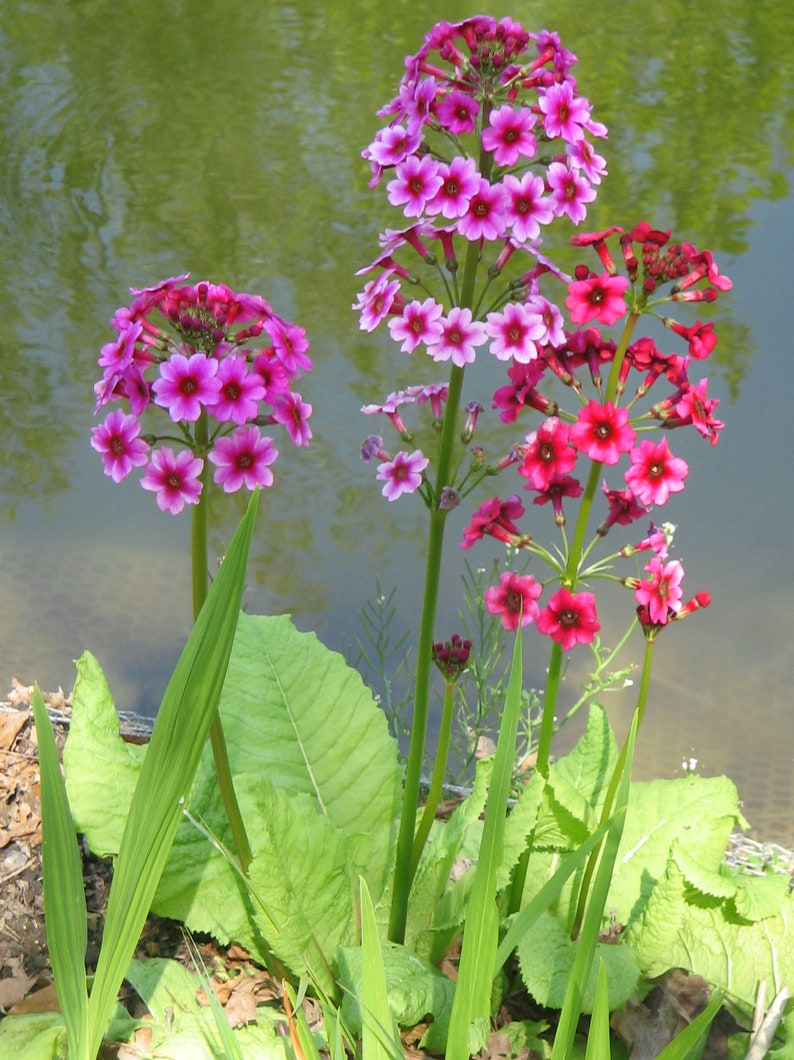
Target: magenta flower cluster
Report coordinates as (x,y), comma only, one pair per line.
(487,144)
(199,354)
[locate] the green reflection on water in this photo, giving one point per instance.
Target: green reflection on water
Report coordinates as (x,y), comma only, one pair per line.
(145,139)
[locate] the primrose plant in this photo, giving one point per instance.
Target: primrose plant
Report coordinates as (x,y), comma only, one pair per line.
(488,146)
(197,370)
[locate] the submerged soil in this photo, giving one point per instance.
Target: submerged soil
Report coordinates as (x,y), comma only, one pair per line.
(26,983)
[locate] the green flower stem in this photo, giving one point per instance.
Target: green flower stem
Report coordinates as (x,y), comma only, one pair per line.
(574,557)
(404,865)
(200,587)
(437,779)
(642,699)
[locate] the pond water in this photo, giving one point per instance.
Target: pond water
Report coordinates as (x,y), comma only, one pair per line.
(142,140)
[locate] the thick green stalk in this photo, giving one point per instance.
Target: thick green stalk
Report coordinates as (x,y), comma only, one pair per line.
(403,870)
(642,699)
(220,753)
(437,779)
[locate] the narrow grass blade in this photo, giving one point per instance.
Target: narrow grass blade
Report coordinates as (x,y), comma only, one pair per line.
(179,734)
(380,1039)
(549,892)
(689,1044)
(598,1046)
(299,1030)
(572,1006)
(481,934)
(231,1047)
(64,896)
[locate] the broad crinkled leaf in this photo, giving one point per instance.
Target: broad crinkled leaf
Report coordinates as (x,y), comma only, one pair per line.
(304,871)
(546,956)
(588,767)
(416,988)
(101,769)
(681,928)
(699,813)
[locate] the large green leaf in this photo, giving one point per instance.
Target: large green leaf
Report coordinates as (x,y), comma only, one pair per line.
(546,956)
(416,988)
(698,813)
(681,927)
(101,769)
(295,712)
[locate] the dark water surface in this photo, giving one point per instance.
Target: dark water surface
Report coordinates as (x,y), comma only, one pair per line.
(141,140)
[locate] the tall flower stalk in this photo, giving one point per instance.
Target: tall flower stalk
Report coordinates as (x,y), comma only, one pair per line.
(197,370)
(487,144)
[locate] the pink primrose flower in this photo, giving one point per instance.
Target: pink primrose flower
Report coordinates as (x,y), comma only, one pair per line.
(118,441)
(598,298)
(694,407)
(548,315)
(293,413)
(624,508)
(559,486)
(435,393)
(460,180)
(485,216)
(118,355)
(655,473)
(457,112)
(569,618)
(403,474)
(569,191)
(603,432)
(495,518)
(547,453)
(174,477)
(565,115)
(290,344)
(701,337)
(376,300)
(662,593)
(514,599)
(416,182)
(185,385)
(273,374)
(240,393)
(243,458)
(514,332)
(419,322)
(459,337)
(509,135)
(392,145)
(584,157)
(525,205)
